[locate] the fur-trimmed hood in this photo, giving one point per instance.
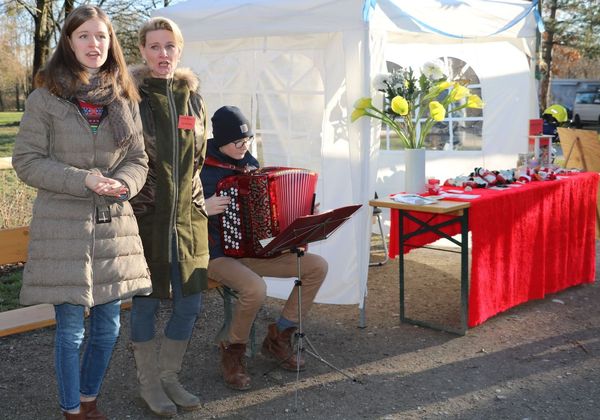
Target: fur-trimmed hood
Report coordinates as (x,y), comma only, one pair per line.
(139,72)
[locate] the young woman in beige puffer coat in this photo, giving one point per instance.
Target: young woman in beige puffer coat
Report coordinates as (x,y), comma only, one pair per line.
(80,144)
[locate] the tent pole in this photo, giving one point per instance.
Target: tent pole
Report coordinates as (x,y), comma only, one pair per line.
(365,142)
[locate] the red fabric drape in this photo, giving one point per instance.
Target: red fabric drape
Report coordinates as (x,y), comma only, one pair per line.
(526,242)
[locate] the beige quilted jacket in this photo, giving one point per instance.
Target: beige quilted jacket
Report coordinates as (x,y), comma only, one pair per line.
(72,259)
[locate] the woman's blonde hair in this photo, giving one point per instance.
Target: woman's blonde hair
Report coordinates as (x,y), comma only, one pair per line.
(64,66)
(158,23)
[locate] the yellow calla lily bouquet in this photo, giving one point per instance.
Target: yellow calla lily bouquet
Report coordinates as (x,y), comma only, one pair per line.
(427,98)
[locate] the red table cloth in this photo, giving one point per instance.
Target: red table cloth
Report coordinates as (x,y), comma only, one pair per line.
(527,241)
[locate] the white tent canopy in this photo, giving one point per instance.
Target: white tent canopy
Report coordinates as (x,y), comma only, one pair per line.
(296,68)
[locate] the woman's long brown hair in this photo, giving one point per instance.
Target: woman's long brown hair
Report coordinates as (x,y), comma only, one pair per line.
(63,65)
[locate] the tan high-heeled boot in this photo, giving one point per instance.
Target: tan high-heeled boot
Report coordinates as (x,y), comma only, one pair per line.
(170,359)
(151,390)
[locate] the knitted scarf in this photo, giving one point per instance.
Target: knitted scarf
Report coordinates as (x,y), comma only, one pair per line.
(100,91)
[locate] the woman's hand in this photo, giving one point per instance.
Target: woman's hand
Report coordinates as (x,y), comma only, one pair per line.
(102,185)
(216,204)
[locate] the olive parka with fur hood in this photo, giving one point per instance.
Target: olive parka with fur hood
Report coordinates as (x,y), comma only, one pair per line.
(171,207)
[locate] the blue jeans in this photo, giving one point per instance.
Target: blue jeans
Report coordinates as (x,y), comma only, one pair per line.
(75,379)
(183,317)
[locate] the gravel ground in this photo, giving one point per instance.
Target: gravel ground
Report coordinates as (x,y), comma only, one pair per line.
(540,360)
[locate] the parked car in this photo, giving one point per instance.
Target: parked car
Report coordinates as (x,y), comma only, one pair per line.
(586,108)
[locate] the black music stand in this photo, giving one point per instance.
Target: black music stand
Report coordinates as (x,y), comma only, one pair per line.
(298,234)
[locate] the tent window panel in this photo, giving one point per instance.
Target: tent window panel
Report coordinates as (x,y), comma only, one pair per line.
(291,72)
(463,136)
(294,136)
(290,87)
(460,70)
(216,71)
(272,112)
(305,152)
(467,135)
(303,118)
(271,154)
(438,138)
(273,115)
(298,152)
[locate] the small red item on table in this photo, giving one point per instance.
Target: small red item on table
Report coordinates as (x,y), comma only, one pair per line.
(433,186)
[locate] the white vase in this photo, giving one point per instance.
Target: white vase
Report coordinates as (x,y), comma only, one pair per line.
(414,175)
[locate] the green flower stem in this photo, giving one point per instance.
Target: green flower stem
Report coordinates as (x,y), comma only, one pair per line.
(458,108)
(382,116)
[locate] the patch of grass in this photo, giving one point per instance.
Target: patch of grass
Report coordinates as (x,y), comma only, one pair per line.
(7,140)
(16,200)
(9,126)
(7,118)
(10,285)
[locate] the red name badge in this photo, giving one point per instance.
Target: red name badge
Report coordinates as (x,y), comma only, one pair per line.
(186,122)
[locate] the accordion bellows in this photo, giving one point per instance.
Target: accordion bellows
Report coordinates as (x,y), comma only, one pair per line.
(263,203)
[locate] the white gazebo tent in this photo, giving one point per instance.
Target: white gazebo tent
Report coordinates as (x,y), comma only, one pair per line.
(296,68)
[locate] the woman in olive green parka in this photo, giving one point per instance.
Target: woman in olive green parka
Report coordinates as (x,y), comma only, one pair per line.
(171,215)
(165,208)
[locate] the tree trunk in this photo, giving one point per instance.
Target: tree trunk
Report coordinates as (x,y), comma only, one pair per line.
(17,99)
(547,46)
(42,35)
(1,102)
(69,6)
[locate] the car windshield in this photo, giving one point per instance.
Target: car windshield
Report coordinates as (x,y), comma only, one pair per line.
(586,98)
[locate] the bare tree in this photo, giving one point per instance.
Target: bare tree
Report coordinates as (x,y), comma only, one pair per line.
(69,6)
(48,15)
(41,13)
(547,49)
(13,56)
(571,30)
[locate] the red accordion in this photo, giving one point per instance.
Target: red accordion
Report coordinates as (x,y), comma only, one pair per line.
(263,203)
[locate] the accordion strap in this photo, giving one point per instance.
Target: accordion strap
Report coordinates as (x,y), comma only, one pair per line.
(211,161)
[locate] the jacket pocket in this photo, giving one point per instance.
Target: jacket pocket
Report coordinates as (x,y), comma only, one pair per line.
(199,226)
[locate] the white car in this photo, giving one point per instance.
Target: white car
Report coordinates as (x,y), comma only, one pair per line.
(586,108)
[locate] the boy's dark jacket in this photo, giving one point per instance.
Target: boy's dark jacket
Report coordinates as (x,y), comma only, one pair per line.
(210,176)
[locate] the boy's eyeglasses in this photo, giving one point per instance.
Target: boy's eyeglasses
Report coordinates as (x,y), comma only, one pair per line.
(244,142)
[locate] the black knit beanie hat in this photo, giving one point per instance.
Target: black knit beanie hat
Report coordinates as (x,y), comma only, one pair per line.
(229,124)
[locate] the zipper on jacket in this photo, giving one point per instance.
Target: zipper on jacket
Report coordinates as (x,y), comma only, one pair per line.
(93,251)
(174,117)
(93,246)
(85,123)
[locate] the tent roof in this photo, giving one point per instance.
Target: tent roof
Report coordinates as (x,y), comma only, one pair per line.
(450,20)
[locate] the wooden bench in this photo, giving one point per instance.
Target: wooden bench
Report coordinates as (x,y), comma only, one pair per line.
(13,249)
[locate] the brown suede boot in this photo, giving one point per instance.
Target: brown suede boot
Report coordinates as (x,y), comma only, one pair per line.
(91,410)
(233,366)
(278,346)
